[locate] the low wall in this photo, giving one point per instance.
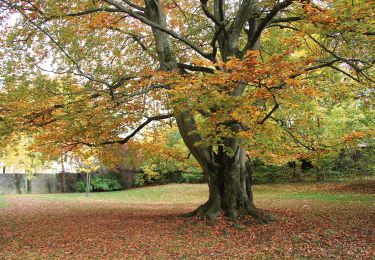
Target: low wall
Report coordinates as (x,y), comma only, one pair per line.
(44,183)
(20,183)
(13,184)
(16,183)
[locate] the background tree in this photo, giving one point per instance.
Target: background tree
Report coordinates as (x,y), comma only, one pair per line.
(222,69)
(18,157)
(166,158)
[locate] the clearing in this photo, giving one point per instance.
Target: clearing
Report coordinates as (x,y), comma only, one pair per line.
(314,220)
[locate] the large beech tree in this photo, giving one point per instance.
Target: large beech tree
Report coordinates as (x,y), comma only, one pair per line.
(236,76)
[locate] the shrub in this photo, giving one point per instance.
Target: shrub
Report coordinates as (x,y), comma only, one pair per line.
(175,176)
(154,175)
(356,161)
(148,175)
(192,178)
(268,174)
(106,182)
(81,186)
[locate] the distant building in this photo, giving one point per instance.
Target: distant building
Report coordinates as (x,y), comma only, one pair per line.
(67,164)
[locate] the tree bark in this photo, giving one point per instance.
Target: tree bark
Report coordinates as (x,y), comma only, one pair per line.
(230,188)
(228,179)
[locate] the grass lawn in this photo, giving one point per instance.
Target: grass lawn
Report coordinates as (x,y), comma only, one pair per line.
(328,220)
(165,194)
(2,201)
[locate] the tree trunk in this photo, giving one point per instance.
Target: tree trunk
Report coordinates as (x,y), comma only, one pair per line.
(229,181)
(230,189)
(297,175)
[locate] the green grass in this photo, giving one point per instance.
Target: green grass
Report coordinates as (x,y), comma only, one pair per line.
(3,203)
(198,193)
(357,198)
(325,192)
(173,193)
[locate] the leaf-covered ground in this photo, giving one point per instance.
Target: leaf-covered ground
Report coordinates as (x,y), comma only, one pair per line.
(335,220)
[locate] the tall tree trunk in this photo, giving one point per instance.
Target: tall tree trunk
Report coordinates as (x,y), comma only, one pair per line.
(230,187)
(228,179)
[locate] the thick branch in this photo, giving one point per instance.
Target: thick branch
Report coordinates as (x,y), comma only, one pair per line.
(134,5)
(266,20)
(85,12)
(157,26)
(269,114)
(195,68)
(188,129)
(138,129)
(210,15)
(243,15)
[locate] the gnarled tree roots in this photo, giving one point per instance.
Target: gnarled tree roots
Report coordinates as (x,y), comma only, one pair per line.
(211,211)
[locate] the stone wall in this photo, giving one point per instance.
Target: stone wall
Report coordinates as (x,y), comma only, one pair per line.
(44,183)
(13,184)
(20,183)
(50,183)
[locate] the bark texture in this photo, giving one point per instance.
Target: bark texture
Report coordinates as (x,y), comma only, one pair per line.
(229,180)
(229,188)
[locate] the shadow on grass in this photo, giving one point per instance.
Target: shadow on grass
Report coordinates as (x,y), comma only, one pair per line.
(357,198)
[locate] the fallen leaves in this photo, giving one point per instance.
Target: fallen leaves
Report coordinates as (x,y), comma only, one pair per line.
(36,227)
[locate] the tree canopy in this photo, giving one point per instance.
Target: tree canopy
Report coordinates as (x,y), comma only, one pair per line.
(253,78)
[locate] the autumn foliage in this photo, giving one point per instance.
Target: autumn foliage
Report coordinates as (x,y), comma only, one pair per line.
(240,80)
(315,221)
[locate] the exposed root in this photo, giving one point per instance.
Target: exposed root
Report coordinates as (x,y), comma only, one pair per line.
(211,212)
(197,211)
(259,216)
(207,210)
